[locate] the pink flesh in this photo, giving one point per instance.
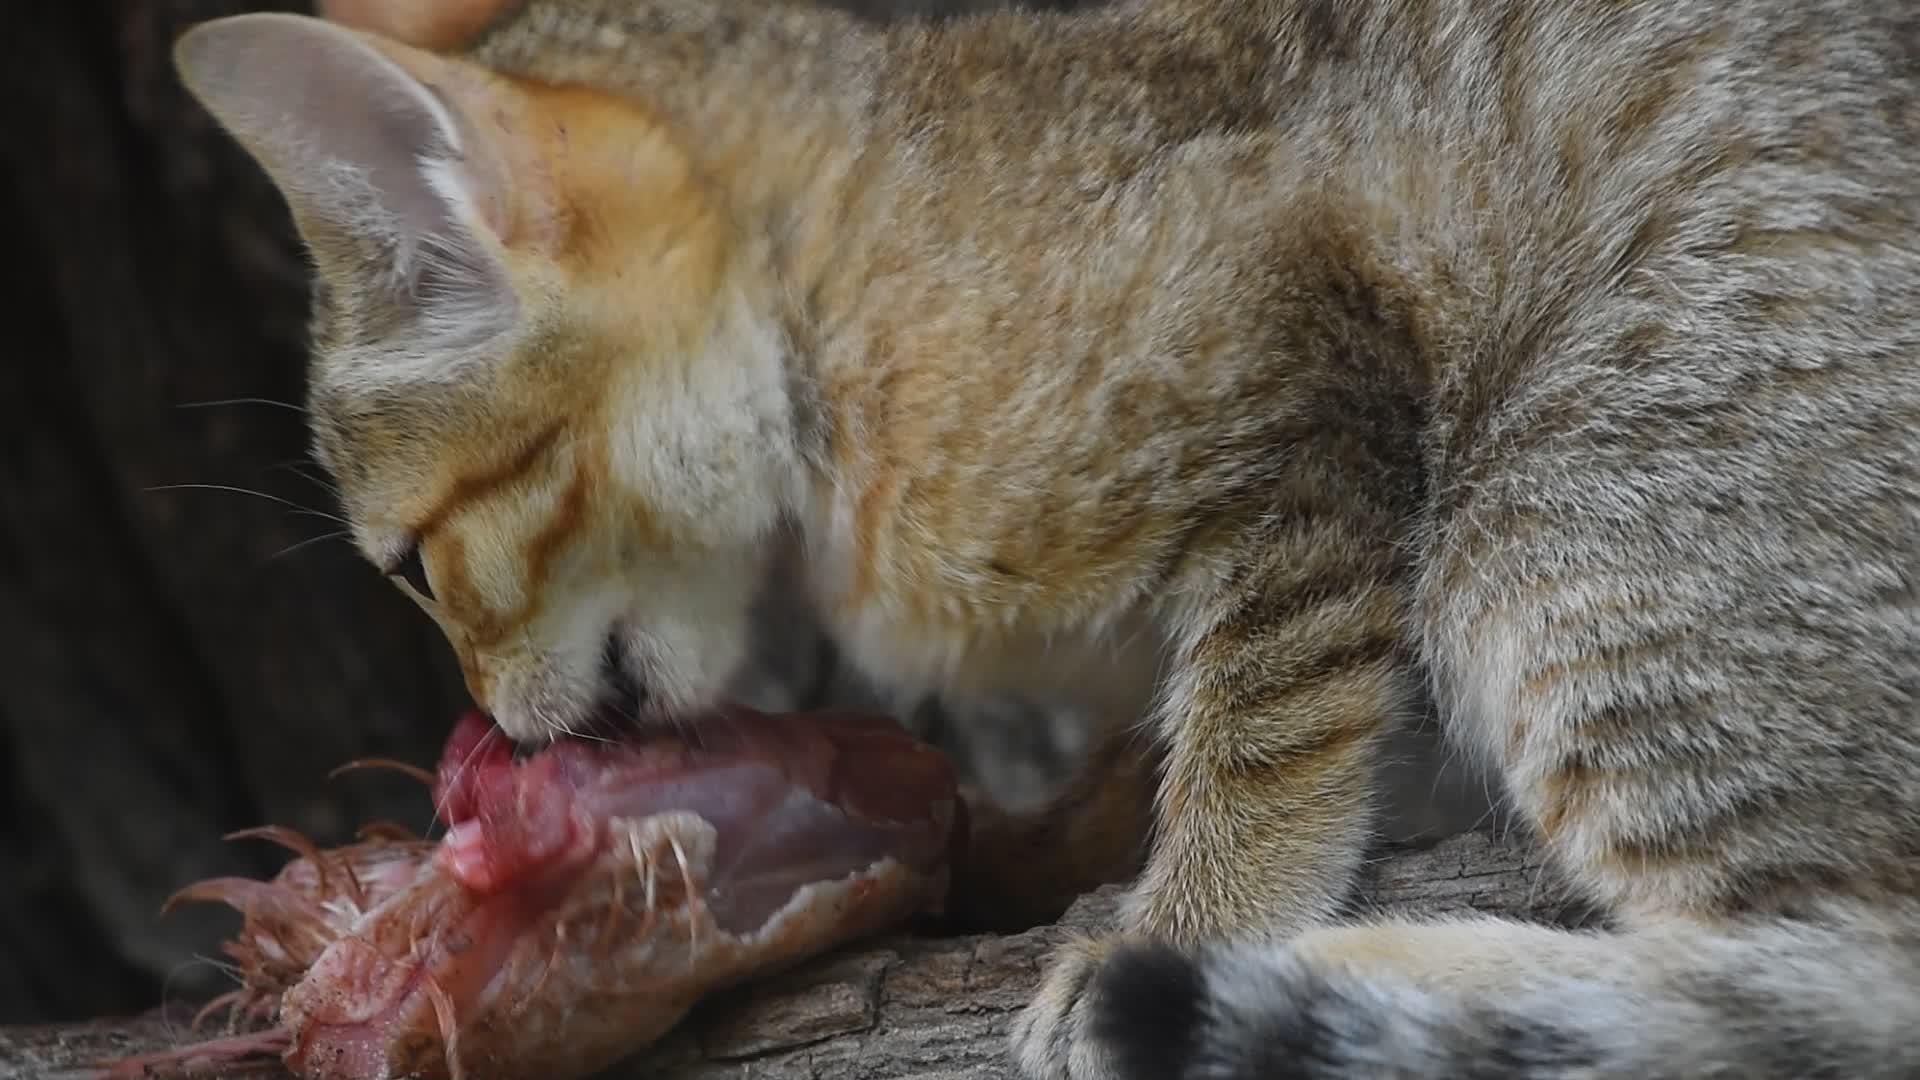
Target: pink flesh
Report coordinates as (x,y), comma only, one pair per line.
(792,800)
(786,806)
(444,942)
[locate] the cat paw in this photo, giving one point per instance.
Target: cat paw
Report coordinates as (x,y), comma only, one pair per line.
(1053,1036)
(1112,1008)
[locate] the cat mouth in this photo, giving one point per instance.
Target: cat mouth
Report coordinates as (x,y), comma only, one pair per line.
(622,695)
(606,703)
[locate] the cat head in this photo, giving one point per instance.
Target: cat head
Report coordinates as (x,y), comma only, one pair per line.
(547,373)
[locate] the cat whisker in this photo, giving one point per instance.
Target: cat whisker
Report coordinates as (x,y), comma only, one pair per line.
(289,503)
(338,534)
(460,771)
(223,402)
(300,467)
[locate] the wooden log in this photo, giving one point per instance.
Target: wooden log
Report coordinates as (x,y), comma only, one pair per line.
(912,1008)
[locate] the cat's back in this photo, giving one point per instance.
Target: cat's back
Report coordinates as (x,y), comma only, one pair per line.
(1676,263)
(1587,131)
(1686,221)
(1573,216)
(1494,142)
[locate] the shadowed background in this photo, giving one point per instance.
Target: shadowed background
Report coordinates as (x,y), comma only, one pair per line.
(188,645)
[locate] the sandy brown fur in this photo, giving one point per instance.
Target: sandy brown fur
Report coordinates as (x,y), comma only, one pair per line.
(1248,371)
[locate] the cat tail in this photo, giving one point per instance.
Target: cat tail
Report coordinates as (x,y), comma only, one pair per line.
(1835,994)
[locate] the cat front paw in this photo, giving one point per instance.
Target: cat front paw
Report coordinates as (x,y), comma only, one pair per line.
(1053,1037)
(1111,1008)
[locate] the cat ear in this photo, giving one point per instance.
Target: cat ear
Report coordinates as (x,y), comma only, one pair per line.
(393,190)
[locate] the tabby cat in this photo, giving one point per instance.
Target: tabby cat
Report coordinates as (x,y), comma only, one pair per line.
(1252,370)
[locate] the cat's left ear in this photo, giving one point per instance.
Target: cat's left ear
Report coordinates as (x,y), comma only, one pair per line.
(405,171)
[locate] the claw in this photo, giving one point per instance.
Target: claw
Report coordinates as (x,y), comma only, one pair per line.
(686,882)
(254,899)
(355,890)
(292,841)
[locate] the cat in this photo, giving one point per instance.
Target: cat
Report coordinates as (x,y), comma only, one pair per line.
(1253,371)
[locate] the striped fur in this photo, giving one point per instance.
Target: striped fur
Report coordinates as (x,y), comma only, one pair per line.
(1251,370)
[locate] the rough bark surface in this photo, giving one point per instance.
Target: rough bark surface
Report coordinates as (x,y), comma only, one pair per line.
(905,1008)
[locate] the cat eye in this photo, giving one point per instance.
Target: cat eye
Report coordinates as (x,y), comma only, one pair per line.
(412,571)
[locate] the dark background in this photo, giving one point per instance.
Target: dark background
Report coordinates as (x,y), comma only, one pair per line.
(187,647)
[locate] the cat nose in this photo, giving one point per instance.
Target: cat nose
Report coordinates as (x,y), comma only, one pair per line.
(624,693)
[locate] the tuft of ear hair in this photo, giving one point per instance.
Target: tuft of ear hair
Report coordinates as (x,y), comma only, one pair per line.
(401,200)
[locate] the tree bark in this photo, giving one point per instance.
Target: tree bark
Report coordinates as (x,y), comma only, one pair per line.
(904,1007)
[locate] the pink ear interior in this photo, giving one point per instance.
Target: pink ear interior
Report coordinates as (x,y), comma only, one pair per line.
(370,156)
